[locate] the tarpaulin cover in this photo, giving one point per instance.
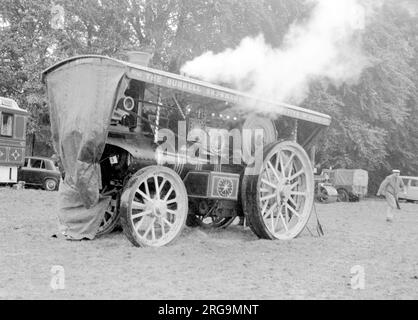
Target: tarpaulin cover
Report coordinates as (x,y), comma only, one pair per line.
(82,95)
(357,179)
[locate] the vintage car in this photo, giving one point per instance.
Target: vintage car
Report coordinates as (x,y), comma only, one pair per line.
(324,190)
(40,172)
(153,149)
(411,189)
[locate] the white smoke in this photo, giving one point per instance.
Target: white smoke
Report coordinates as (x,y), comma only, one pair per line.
(325,46)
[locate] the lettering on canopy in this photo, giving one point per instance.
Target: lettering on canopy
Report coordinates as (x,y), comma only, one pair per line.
(215,93)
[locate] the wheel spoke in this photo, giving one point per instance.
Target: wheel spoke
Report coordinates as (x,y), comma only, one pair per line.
(270,211)
(153,231)
(274,171)
(143,195)
(149,228)
(283,220)
(293,211)
(293,201)
(287,217)
(157,187)
(142,214)
(138,205)
(268,183)
(172,212)
(162,226)
(293,186)
(277,218)
(139,224)
(298,193)
(162,184)
(267,174)
(282,166)
(167,222)
(264,208)
(272,220)
(168,193)
(297,174)
(268,197)
(171,201)
(110,213)
(276,165)
(147,189)
(289,162)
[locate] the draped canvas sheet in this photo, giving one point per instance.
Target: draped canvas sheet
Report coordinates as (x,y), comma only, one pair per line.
(81,96)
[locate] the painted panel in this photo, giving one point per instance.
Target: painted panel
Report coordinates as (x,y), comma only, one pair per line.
(16,155)
(3,154)
(19,127)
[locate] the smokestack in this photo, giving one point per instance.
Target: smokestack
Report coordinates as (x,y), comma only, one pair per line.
(139,57)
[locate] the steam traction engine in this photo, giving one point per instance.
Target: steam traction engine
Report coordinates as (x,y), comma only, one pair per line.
(178,149)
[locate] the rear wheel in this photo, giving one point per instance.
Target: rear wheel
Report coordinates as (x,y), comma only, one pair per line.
(50,184)
(343,195)
(154,207)
(111,217)
(322,195)
(278,201)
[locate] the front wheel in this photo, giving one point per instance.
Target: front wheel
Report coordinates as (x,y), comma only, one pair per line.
(278,201)
(50,185)
(154,207)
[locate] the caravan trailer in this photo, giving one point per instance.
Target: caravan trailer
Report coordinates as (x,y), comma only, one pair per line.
(12,139)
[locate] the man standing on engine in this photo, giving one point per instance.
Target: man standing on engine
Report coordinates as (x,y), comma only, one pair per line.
(390,188)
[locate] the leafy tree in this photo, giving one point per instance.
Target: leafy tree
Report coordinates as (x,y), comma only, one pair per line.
(374,122)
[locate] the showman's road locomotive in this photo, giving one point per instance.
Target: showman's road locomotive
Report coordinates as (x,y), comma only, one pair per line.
(167,150)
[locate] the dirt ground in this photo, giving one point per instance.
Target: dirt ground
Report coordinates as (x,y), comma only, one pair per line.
(227,264)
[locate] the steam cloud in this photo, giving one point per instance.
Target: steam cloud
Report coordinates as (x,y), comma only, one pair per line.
(325,46)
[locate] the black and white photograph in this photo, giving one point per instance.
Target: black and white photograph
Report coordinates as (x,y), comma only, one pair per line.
(221,152)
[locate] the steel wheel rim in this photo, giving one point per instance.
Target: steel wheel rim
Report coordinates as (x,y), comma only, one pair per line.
(342,196)
(285,192)
(324,195)
(109,217)
(157,210)
(50,184)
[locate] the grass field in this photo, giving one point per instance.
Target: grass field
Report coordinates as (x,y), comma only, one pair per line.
(226,264)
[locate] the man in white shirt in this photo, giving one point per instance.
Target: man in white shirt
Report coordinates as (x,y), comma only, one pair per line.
(390,188)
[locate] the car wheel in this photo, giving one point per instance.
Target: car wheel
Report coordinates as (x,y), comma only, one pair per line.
(343,195)
(50,185)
